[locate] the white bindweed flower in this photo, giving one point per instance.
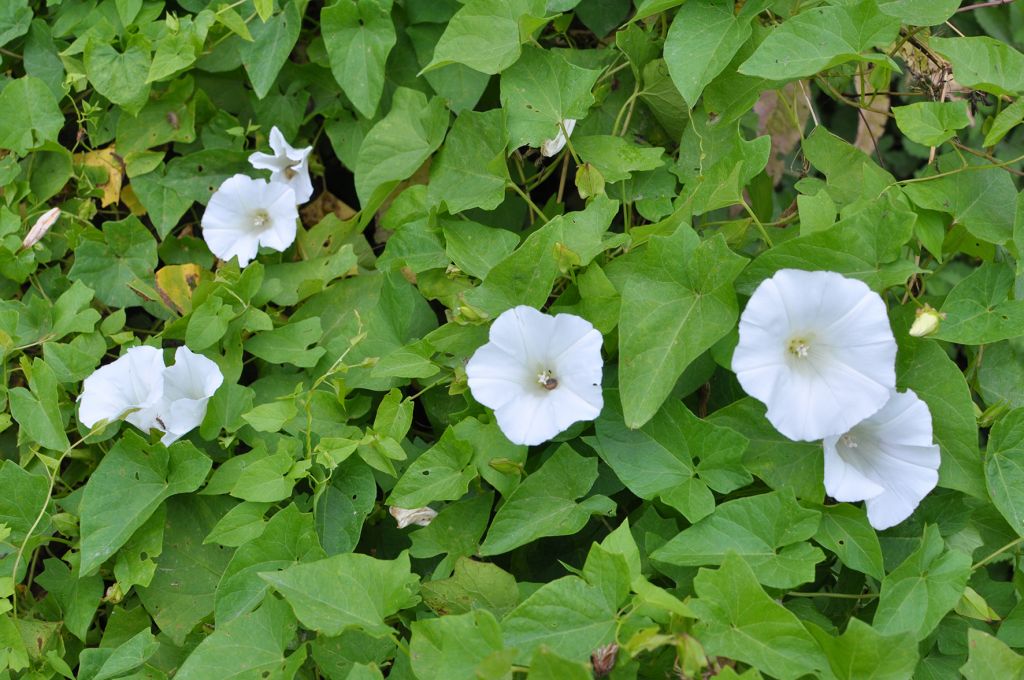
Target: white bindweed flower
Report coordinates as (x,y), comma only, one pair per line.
(133,382)
(245,213)
(552,146)
(418,516)
(169,399)
(287,165)
(188,386)
(39,229)
(539,373)
(888,460)
(817,349)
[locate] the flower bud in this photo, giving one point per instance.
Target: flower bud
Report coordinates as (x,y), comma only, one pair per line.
(589,181)
(927,321)
(39,229)
(418,516)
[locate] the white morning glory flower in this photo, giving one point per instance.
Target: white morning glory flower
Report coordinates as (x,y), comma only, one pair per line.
(188,386)
(169,399)
(246,213)
(418,516)
(817,349)
(539,373)
(287,165)
(552,146)
(133,382)
(888,460)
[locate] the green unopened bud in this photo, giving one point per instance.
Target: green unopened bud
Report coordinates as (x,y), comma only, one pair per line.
(589,181)
(507,466)
(566,258)
(927,321)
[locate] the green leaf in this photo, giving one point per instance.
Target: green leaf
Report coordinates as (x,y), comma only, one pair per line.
(670,315)
(862,653)
(568,613)
(542,89)
(544,504)
(79,598)
(931,123)
(288,539)
(920,12)
(1007,119)
(486,35)
(442,473)
(399,144)
(15,19)
(343,505)
(977,310)
(616,157)
(983,63)
(1004,467)
(527,275)
(704,37)
(471,171)
(289,344)
(37,412)
(240,525)
(475,586)
(273,41)
(923,366)
(767,530)
(31,115)
(820,38)
(125,658)
(458,84)
(23,506)
(844,530)
(254,645)
(547,665)
(453,646)
(990,658)
(456,530)
(272,416)
(121,77)
(126,488)
(127,252)
(358,37)
(740,621)
(974,194)
(177,603)
(347,591)
(918,593)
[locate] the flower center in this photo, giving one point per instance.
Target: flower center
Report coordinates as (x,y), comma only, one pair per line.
(798,347)
(260,219)
(546,380)
(848,441)
(289,173)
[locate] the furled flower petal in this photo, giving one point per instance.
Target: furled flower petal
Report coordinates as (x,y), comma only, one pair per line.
(41,226)
(133,381)
(245,213)
(418,516)
(287,165)
(539,373)
(188,386)
(888,460)
(817,349)
(552,146)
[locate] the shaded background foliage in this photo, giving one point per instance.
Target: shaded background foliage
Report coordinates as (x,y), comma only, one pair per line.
(717,142)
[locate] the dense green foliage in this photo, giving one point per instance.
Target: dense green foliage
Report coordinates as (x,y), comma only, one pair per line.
(717,142)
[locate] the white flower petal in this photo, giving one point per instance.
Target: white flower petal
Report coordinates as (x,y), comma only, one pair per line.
(552,146)
(288,165)
(245,213)
(418,516)
(539,373)
(188,386)
(817,349)
(133,381)
(889,456)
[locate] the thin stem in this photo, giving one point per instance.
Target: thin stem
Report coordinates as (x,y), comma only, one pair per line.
(760,227)
(526,197)
(842,596)
(966,168)
(1009,546)
(980,5)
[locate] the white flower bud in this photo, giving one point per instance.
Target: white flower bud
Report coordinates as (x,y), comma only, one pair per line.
(418,516)
(927,321)
(39,229)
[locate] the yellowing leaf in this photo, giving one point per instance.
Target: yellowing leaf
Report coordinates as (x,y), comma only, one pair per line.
(175,284)
(108,160)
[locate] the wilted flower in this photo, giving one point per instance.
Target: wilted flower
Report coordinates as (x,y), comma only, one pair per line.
(418,516)
(287,165)
(817,349)
(245,213)
(552,146)
(926,321)
(888,460)
(539,373)
(150,395)
(39,229)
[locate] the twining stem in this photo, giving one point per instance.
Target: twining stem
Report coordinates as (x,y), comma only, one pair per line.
(526,197)
(843,596)
(1009,546)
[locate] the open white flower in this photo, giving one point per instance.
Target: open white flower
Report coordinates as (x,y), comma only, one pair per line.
(888,460)
(539,373)
(188,386)
(287,165)
(169,399)
(817,349)
(552,146)
(246,213)
(133,382)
